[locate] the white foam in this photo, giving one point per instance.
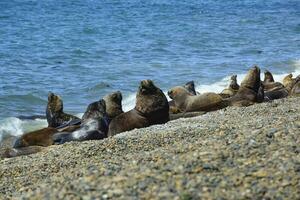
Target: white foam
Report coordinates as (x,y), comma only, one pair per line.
(128,102)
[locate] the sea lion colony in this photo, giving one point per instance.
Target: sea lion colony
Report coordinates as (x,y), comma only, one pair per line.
(105,118)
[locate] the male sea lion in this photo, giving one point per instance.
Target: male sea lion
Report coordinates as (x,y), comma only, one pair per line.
(151,108)
(94,125)
(186,102)
(250,91)
(113,104)
(232,88)
(54,112)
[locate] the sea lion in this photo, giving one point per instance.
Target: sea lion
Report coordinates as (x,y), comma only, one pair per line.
(273,90)
(113,104)
(268,77)
(94,125)
(270,84)
(296,87)
(250,91)
(190,87)
(288,82)
(186,102)
(41,137)
(232,88)
(54,112)
(151,108)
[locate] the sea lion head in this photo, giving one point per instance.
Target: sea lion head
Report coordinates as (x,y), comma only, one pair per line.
(252,79)
(178,92)
(268,77)
(190,86)
(113,104)
(150,99)
(55,103)
(95,110)
(115,97)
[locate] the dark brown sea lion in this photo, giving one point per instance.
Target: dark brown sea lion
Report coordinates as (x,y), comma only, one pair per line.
(186,102)
(94,125)
(232,88)
(113,104)
(42,137)
(190,87)
(54,112)
(250,91)
(268,77)
(151,108)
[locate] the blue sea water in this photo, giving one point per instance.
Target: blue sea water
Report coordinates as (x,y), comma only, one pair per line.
(83,50)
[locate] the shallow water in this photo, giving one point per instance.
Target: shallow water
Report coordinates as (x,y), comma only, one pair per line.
(83,50)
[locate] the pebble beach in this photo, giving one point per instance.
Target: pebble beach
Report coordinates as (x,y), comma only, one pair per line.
(234,153)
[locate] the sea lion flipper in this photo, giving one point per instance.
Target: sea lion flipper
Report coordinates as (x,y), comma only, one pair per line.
(71,122)
(62,137)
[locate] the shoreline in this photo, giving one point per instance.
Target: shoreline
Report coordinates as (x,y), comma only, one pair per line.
(234,153)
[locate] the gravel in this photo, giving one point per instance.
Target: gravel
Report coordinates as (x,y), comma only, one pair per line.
(234,153)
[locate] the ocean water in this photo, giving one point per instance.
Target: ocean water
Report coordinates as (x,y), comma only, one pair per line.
(83,50)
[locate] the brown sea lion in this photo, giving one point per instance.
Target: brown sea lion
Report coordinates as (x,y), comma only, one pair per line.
(54,112)
(151,108)
(94,125)
(186,102)
(270,84)
(190,87)
(268,77)
(250,91)
(273,90)
(288,82)
(296,87)
(113,104)
(232,88)
(42,137)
